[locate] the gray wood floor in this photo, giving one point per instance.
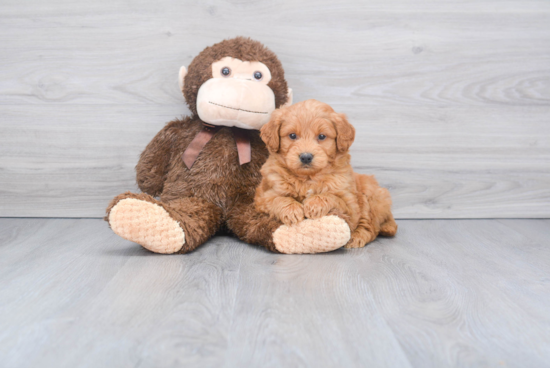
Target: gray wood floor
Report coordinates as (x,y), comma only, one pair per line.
(470,293)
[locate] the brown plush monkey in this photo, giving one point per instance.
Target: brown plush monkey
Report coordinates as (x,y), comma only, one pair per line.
(205,168)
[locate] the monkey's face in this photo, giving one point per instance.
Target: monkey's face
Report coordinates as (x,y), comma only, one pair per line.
(237,94)
(236,82)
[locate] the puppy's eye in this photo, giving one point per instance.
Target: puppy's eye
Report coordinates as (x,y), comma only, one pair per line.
(226,72)
(258,75)
(322,137)
(292,136)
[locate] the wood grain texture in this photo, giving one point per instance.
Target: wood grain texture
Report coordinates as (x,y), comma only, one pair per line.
(74,294)
(307,311)
(452,293)
(475,292)
(451,100)
(441,163)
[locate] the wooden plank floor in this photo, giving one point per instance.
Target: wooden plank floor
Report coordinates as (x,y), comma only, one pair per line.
(443,293)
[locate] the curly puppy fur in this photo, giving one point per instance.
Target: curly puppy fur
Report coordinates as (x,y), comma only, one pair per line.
(308,173)
(217,193)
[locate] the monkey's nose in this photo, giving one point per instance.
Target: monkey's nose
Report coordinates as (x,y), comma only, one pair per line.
(306,158)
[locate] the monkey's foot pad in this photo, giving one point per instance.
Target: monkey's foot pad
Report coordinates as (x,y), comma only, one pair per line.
(312,236)
(147,224)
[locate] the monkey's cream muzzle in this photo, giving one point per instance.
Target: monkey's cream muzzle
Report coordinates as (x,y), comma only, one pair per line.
(235,102)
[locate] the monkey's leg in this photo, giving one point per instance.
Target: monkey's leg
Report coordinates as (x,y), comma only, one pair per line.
(177,226)
(324,234)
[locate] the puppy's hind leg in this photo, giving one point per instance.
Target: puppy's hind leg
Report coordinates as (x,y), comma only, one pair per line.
(389,227)
(360,237)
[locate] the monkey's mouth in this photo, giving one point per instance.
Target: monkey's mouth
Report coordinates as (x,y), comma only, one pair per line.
(234,108)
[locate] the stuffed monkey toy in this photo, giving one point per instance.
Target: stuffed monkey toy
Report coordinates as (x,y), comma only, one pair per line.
(199,174)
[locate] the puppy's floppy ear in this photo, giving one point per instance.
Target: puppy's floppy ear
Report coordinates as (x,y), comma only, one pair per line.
(270,132)
(345,132)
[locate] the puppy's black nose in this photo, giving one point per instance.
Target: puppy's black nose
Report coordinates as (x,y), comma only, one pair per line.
(306,158)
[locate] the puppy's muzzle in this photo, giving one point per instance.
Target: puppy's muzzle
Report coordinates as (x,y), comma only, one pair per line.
(306,158)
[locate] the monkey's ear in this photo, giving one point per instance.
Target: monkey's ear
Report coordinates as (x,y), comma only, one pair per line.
(289,98)
(181,76)
(270,131)
(345,132)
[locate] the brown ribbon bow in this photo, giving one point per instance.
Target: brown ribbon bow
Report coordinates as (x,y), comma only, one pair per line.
(205,135)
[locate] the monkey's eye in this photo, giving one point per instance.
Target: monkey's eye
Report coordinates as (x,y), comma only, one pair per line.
(258,75)
(322,137)
(226,72)
(292,136)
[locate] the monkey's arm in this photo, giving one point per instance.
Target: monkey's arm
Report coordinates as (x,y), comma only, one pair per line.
(153,163)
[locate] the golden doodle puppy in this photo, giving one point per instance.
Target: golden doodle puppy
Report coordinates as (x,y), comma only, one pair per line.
(308,173)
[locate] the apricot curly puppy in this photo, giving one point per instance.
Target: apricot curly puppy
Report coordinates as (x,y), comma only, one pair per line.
(308,173)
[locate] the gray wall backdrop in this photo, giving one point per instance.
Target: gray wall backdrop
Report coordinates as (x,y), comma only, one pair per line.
(451,99)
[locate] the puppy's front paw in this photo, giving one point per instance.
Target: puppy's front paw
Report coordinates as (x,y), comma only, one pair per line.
(316,207)
(292,214)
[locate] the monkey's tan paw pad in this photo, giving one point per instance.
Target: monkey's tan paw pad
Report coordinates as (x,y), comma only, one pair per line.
(312,236)
(147,224)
